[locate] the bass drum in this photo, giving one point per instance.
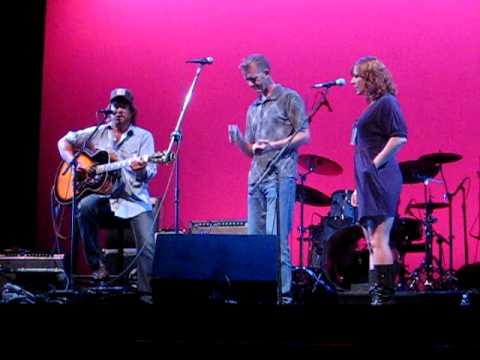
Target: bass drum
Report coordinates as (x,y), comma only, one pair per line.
(341,252)
(405,231)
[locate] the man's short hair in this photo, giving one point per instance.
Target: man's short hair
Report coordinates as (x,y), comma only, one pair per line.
(260,60)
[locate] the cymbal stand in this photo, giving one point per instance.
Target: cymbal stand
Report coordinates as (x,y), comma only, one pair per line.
(302,230)
(448,279)
(301,274)
(302,277)
(427,264)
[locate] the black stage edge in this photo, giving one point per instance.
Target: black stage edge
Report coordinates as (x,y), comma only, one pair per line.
(402,329)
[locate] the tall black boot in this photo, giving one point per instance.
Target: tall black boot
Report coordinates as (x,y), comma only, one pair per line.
(383,285)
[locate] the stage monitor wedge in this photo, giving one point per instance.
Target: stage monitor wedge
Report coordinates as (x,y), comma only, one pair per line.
(215,268)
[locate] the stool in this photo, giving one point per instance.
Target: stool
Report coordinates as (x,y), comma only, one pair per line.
(120,239)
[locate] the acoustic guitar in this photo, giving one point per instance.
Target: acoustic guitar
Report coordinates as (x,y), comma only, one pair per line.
(99,178)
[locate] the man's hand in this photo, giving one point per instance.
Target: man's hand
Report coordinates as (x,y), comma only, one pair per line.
(234,134)
(262,146)
(83,172)
(138,165)
(354,199)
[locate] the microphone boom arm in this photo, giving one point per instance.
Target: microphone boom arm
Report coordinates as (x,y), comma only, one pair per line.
(175,139)
(176,134)
(316,107)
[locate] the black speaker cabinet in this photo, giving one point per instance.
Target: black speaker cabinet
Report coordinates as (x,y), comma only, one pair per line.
(202,268)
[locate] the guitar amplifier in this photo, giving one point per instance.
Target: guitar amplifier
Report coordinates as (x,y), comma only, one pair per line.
(31,261)
(234,227)
(35,271)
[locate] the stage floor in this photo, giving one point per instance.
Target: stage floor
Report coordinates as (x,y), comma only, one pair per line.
(433,322)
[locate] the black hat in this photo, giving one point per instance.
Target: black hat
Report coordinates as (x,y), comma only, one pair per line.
(121,93)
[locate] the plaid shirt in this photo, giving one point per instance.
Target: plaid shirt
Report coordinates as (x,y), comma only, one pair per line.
(273,118)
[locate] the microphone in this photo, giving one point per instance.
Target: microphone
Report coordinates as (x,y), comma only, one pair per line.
(106,112)
(204,61)
(338,82)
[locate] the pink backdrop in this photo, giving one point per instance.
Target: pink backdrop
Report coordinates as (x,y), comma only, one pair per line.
(431,47)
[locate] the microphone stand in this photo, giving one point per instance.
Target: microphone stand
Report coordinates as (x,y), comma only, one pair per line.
(449,197)
(74,230)
(324,101)
(464,214)
(175,139)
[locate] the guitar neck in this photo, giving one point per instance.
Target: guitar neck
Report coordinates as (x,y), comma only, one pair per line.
(116,165)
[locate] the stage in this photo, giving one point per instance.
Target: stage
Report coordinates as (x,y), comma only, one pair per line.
(112,317)
(427,324)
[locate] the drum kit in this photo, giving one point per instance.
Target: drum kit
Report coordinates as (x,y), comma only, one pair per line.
(338,252)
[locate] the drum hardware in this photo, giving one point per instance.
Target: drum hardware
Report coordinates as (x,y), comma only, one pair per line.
(427,266)
(405,232)
(307,195)
(439,159)
(431,205)
(478,205)
(342,211)
(302,276)
(426,167)
(310,196)
(319,165)
(308,283)
(301,196)
(336,246)
(417,171)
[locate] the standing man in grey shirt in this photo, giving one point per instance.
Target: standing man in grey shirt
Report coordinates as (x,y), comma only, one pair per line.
(129,197)
(272,120)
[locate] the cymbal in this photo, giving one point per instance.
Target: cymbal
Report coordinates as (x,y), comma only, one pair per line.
(319,164)
(311,196)
(432,205)
(417,171)
(441,158)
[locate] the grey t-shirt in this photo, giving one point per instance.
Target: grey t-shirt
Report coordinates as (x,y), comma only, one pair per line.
(273,118)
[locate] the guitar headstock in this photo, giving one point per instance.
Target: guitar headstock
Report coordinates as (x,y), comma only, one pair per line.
(160,157)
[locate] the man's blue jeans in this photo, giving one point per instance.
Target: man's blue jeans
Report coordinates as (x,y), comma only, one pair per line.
(93,211)
(262,219)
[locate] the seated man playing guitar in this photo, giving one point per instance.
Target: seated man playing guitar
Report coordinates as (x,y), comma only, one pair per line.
(102,194)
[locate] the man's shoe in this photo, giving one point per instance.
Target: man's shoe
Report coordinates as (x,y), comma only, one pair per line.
(101,273)
(286,300)
(146,299)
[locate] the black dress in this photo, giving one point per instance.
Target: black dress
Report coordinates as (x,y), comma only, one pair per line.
(378,189)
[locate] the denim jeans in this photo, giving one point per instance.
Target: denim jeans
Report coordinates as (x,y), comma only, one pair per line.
(262,219)
(93,212)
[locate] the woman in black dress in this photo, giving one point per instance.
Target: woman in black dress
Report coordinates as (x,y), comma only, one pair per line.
(378,135)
